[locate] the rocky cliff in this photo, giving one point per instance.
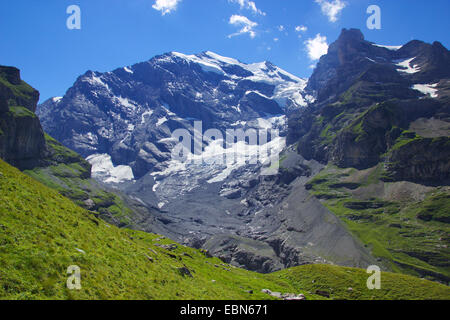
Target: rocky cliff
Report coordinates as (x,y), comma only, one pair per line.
(367,96)
(22,141)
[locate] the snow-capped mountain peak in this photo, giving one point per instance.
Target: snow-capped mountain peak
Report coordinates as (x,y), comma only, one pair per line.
(261,71)
(130,113)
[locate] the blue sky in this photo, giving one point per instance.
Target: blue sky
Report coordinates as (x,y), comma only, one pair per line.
(115,33)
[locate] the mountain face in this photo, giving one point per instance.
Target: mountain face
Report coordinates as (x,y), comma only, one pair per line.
(381,127)
(351,59)
(129,113)
(122,122)
(368,96)
(363,153)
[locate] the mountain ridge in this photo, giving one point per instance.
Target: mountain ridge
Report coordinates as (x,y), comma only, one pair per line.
(363,101)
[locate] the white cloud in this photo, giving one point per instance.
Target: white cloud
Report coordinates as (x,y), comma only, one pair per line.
(166,6)
(301,28)
(316,47)
(332,8)
(276,39)
(247,25)
(281,28)
(250,5)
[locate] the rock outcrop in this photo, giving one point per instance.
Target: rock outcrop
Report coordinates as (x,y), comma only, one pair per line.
(22,141)
(422,160)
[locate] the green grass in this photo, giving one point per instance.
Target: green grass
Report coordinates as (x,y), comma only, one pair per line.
(19,112)
(408,237)
(61,154)
(69,174)
(405,138)
(435,208)
(350,283)
(43,233)
(327,135)
(68,181)
(22,92)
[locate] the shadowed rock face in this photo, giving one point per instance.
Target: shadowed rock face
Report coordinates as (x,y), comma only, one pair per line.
(367,96)
(351,56)
(22,141)
(422,160)
(16,92)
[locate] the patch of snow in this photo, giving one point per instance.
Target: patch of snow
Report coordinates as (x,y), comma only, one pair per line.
(126,102)
(237,108)
(239,123)
(96,81)
(138,200)
(290,91)
(88,138)
(406,66)
(220,58)
(427,89)
(286,85)
(393,48)
(105,133)
(204,63)
(104,170)
(79,250)
(146,114)
(258,93)
(242,153)
(161,121)
(169,139)
(271,122)
(161,204)
(155,186)
(128,70)
(230,83)
(57,99)
(218,160)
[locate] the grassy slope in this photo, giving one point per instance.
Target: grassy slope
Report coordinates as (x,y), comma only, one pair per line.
(391,228)
(69,176)
(41,232)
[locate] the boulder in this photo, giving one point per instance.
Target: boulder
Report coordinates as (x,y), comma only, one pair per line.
(185,272)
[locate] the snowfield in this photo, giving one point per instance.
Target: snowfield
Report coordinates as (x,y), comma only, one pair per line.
(287,86)
(427,89)
(104,170)
(405,66)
